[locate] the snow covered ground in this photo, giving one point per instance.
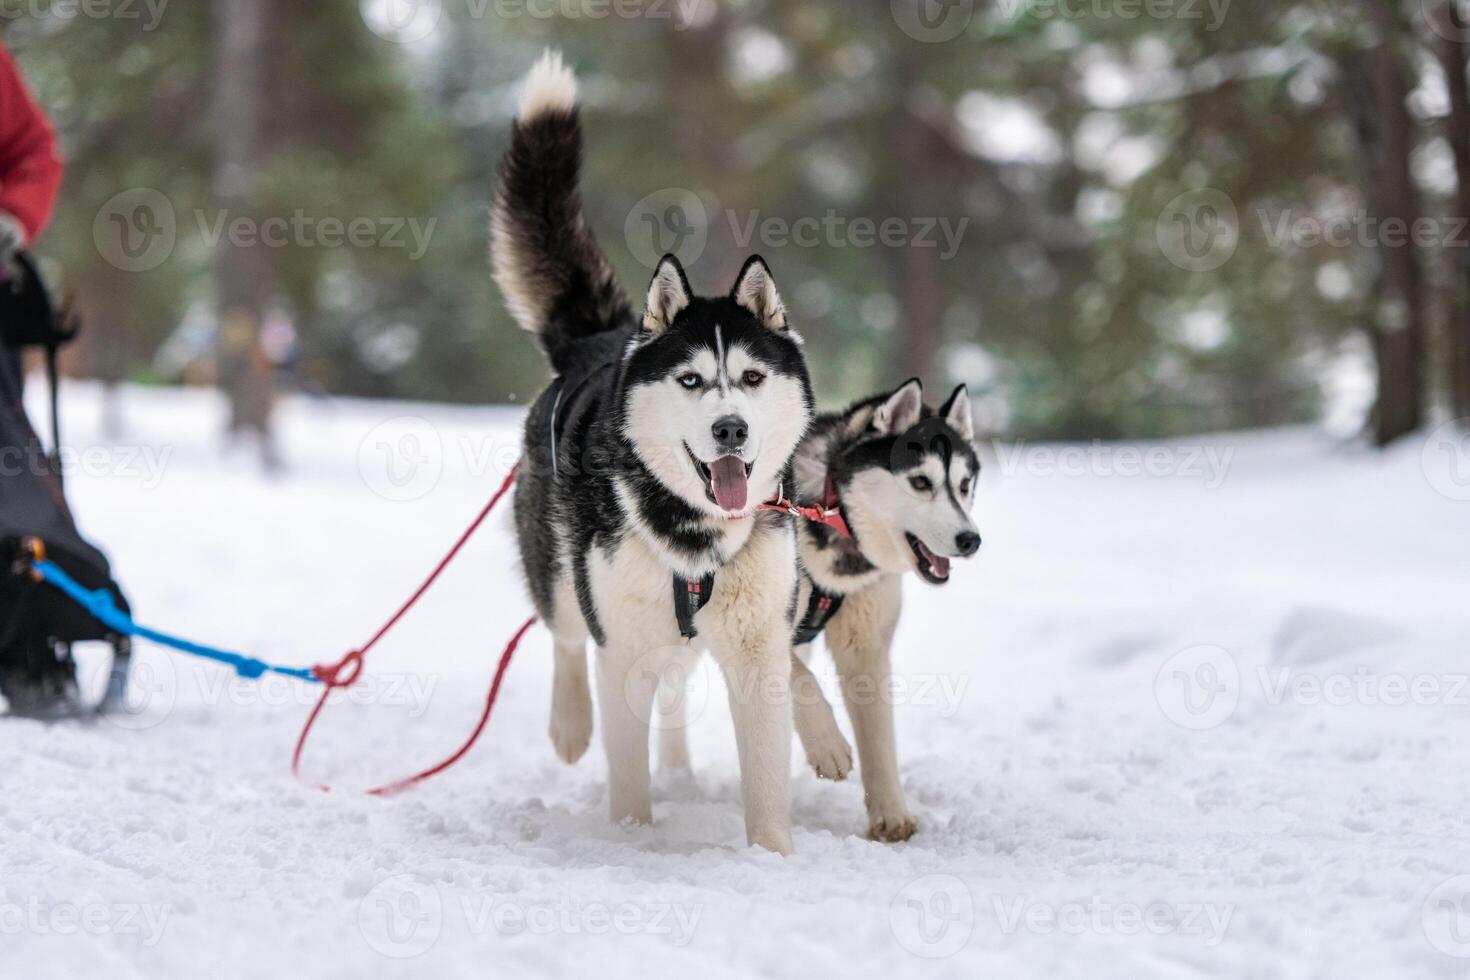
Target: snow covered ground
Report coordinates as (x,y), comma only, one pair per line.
(1198,709)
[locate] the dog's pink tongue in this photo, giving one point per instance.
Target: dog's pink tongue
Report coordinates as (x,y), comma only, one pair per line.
(938,564)
(727,474)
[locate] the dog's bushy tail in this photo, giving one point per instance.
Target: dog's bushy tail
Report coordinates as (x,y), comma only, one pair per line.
(557,283)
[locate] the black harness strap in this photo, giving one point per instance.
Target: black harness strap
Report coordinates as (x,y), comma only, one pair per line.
(690,596)
(820,609)
(567,388)
(551,428)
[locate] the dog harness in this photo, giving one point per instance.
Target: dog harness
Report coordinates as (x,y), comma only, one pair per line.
(820,609)
(693,594)
(566,393)
(690,596)
(829,513)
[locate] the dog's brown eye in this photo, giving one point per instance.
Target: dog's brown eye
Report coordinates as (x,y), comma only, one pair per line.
(965,485)
(921,484)
(753,379)
(690,380)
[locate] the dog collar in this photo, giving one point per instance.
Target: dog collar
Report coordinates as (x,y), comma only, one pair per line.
(829,513)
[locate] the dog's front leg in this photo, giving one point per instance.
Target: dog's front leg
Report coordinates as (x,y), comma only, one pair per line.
(860,637)
(826,750)
(674,715)
(627,680)
(758,675)
(749,632)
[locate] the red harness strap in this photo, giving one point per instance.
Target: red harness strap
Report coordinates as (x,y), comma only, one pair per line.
(830,513)
(345,672)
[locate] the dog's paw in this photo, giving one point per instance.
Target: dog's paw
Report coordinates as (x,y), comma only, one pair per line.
(893,828)
(571,724)
(826,750)
(632,815)
(773,839)
(571,738)
(830,756)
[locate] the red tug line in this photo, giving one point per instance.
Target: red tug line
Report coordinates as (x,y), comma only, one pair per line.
(346,671)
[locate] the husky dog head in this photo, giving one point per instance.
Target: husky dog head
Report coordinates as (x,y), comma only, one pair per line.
(906,478)
(717,393)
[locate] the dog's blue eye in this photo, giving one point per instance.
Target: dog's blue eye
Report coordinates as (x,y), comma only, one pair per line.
(690,381)
(921,484)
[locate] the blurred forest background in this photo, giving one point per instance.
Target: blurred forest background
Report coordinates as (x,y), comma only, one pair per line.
(1112,218)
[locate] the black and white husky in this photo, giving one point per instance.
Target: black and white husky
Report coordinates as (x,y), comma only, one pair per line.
(905,478)
(644,464)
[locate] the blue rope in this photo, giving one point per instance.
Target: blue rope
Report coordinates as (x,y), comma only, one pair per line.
(102,607)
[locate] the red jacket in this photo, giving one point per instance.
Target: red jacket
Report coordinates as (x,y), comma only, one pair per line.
(30,167)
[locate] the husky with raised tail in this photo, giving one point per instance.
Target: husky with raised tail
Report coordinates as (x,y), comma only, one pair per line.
(644,464)
(904,479)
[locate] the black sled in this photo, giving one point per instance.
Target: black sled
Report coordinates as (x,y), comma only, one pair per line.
(38,624)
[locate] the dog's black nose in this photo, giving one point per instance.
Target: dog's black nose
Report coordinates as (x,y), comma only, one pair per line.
(730,432)
(968,542)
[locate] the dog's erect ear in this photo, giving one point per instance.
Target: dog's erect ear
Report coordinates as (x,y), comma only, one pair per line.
(756,291)
(668,295)
(902,409)
(957,413)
